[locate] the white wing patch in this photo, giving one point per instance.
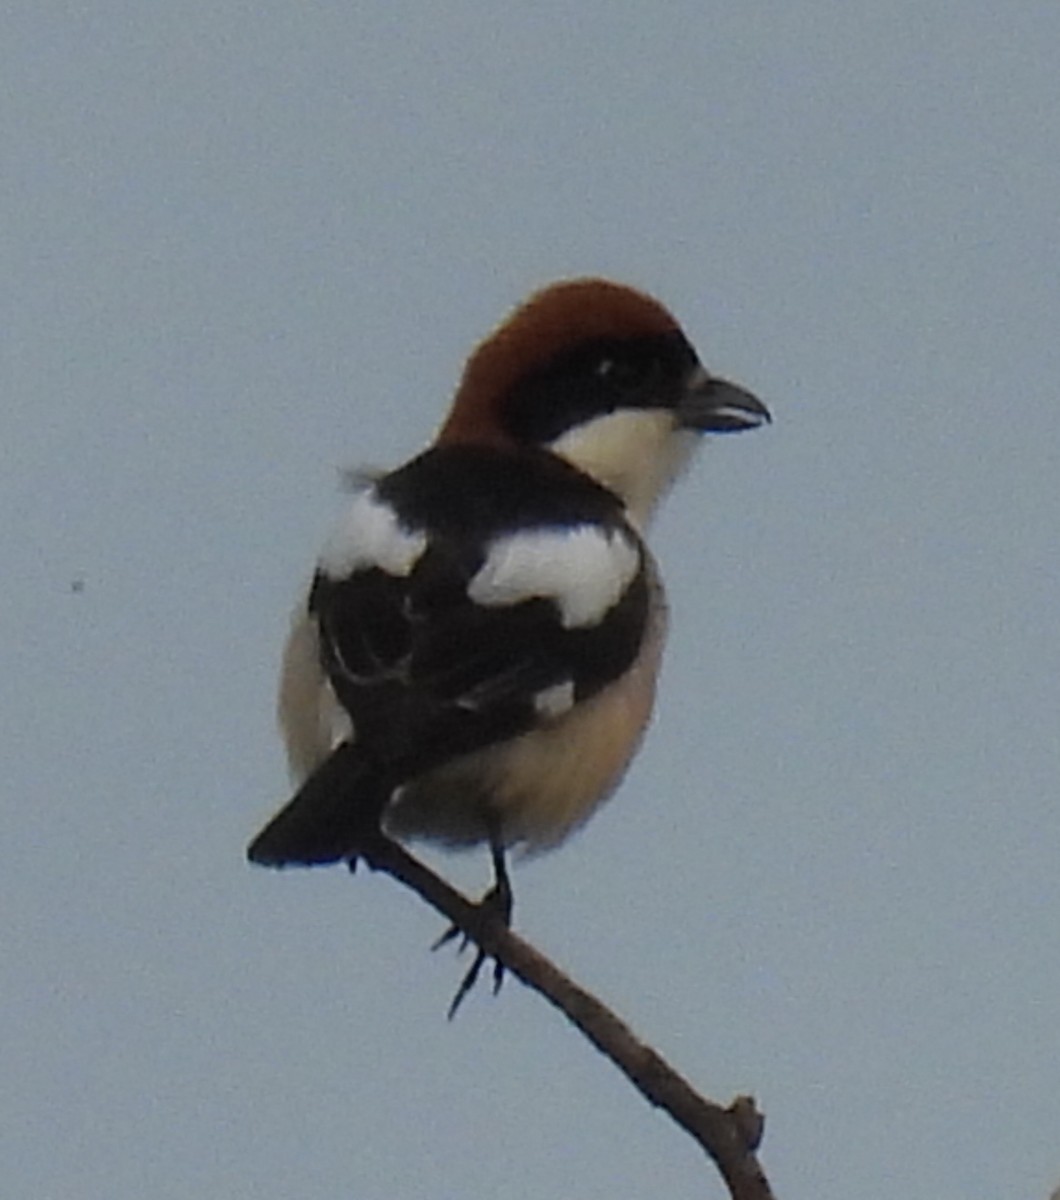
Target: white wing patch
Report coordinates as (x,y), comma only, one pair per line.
(584,569)
(371,535)
(554,701)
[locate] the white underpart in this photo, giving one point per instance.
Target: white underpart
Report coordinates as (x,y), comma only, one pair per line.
(546,782)
(583,569)
(311,718)
(554,701)
(371,535)
(636,452)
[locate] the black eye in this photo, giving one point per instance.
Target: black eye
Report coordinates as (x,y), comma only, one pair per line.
(623,373)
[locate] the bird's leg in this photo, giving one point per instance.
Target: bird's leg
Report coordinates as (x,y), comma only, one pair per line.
(497,902)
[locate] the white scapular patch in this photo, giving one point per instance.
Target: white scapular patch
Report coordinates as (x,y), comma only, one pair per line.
(556,700)
(583,569)
(371,535)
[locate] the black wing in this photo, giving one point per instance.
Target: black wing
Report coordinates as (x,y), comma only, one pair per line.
(426,674)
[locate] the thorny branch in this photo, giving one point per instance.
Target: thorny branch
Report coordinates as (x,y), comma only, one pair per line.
(729,1135)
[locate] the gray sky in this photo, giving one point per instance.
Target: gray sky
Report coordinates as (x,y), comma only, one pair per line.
(244,246)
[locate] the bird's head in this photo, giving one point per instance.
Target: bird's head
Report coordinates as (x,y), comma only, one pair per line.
(603,376)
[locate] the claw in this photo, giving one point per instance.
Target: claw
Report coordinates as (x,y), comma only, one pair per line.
(466,984)
(453,932)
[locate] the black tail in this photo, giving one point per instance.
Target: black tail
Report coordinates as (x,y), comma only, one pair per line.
(339,803)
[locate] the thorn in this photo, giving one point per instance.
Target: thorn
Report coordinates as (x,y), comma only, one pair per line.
(750,1123)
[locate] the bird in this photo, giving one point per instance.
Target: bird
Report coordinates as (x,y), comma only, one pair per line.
(475,659)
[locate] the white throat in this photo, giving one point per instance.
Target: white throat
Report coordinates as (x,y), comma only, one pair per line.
(636,452)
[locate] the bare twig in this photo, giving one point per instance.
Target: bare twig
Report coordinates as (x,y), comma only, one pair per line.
(729,1135)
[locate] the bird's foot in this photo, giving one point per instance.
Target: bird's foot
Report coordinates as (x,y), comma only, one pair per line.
(496,905)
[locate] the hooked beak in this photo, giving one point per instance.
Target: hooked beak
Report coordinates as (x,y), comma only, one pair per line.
(712,405)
